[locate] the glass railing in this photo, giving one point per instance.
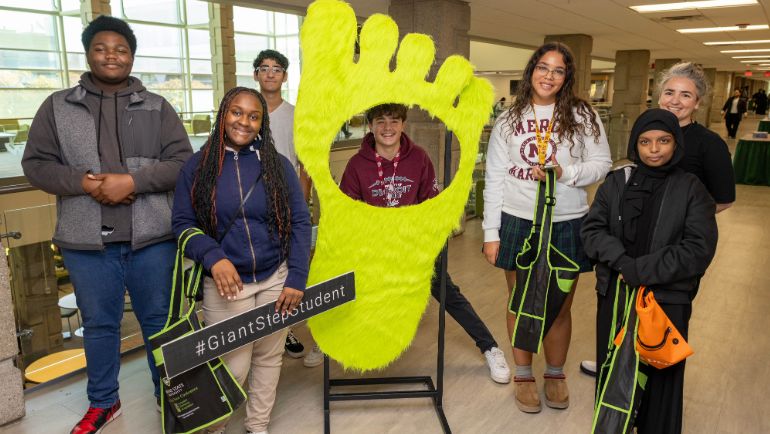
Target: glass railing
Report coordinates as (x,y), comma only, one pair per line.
(48,322)
(13,137)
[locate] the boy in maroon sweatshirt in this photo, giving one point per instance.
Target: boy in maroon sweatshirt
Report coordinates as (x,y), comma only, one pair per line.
(390,171)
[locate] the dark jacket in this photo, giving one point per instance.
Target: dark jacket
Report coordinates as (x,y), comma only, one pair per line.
(683,244)
(248,244)
(138,133)
(742,105)
(415,177)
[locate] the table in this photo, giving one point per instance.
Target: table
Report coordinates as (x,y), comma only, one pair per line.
(764,125)
(70,302)
(752,161)
(55,365)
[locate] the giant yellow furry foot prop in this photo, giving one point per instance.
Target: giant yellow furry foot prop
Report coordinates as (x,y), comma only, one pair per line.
(391,250)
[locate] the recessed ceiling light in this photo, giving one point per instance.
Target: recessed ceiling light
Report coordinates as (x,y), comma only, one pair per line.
(724,29)
(746,51)
(684,6)
(750,57)
(755,61)
(764,41)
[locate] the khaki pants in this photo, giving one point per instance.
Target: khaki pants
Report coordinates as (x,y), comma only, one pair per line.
(262,358)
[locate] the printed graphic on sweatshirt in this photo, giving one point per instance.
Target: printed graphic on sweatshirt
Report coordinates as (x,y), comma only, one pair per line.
(528,148)
(400,187)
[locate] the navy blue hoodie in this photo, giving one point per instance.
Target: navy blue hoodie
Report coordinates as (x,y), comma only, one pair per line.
(247,245)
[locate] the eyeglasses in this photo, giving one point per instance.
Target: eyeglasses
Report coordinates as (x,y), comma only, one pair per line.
(542,71)
(266,70)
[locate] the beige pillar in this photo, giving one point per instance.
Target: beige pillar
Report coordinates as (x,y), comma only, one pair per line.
(12,392)
(447,22)
(721,82)
(90,9)
(660,66)
(704,111)
(629,97)
(581,47)
(222,34)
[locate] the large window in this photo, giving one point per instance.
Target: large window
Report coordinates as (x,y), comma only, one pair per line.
(257,30)
(34,44)
(173,57)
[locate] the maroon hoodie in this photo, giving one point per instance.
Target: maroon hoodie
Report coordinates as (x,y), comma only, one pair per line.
(415,178)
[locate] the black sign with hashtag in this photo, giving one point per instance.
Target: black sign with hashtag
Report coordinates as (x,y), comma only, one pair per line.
(216,340)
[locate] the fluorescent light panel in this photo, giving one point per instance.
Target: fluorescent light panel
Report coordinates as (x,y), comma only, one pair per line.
(764,41)
(684,6)
(746,51)
(750,57)
(723,29)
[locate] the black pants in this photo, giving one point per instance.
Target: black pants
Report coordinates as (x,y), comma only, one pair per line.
(662,405)
(459,308)
(732,120)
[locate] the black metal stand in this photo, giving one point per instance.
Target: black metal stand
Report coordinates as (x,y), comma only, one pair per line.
(435,392)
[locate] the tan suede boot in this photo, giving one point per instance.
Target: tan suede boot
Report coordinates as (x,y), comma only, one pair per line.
(556,391)
(527,396)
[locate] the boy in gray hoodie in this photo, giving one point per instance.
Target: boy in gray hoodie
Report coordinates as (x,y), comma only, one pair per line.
(110,151)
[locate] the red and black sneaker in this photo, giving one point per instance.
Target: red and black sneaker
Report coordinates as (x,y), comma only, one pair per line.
(96,419)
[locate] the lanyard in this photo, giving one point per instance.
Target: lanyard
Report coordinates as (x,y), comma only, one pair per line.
(542,145)
(382,180)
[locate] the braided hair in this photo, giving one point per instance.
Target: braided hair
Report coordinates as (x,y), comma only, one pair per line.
(277,190)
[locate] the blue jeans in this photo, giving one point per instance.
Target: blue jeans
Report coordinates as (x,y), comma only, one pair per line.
(100,281)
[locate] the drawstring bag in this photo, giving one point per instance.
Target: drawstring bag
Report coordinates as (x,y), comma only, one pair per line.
(623,374)
(658,342)
(203,395)
(544,276)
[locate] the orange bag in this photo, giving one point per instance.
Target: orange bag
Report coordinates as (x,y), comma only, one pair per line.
(658,342)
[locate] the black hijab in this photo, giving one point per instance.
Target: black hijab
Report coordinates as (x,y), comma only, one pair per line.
(644,191)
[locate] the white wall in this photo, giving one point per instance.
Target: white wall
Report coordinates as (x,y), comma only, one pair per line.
(502,84)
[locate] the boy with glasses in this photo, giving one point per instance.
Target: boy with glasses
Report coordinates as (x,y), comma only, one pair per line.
(271,72)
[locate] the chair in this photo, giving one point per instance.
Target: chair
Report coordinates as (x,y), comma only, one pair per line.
(69,313)
(199,124)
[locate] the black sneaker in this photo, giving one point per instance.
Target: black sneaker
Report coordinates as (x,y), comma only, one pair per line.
(95,419)
(294,348)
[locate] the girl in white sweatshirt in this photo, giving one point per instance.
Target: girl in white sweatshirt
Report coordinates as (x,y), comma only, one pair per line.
(578,145)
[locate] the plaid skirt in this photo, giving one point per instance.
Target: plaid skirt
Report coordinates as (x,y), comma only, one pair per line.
(565,237)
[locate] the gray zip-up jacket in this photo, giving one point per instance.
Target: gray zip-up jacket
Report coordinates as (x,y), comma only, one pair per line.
(83,130)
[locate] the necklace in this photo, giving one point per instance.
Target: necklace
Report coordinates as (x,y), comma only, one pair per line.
(389,198)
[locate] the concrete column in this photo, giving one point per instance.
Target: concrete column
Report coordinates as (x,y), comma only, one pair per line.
(721,84)
(90,9)
(222,34)
(629,97)
(660,66)
(704,112)
(12,392)
(448,23)
(581,46)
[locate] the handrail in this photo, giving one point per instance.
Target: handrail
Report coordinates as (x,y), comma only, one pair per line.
(16,119)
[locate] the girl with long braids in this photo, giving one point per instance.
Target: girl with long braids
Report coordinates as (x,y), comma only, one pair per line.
(546,114)
(264,256)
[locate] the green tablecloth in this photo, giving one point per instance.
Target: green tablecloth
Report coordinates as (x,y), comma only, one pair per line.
(764,126)
(752,161)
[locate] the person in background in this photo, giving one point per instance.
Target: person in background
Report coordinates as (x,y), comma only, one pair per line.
(733,111)
(545,98)
(760,102)
(264,257)
(271,71)
(110,151)
(370,176)
(651,225)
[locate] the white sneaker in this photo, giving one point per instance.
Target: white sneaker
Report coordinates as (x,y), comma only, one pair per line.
(252,432)
(314,358)
(498,367)
(588,367)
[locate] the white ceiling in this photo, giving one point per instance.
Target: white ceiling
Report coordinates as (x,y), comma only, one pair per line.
(611,23)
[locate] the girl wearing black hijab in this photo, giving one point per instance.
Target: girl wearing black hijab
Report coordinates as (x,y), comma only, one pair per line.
(651,224)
